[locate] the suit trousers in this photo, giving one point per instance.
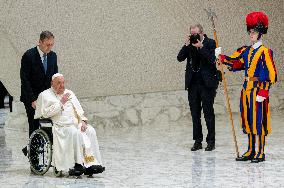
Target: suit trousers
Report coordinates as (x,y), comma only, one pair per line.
(202,97)
(33,123)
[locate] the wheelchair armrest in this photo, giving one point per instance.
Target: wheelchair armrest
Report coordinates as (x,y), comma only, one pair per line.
(45,122)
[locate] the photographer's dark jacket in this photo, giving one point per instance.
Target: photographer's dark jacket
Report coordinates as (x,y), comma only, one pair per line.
(200,68)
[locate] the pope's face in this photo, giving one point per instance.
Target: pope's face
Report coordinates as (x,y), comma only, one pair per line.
(58,85)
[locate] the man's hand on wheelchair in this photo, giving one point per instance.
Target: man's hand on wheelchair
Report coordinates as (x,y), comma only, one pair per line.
(34,104)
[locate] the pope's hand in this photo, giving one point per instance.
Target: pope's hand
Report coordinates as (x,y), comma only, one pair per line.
(65,98)
(218,51)
(84,126)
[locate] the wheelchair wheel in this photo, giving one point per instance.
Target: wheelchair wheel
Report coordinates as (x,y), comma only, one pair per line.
(40,152)
(56,172)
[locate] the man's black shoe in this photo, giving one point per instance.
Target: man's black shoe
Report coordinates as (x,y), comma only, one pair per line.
(73,172)
(99,169)
(90,170)
(78,170)
(25,151)
(257,160)
(210,147)
(245,158)
(94,169)
(196,146)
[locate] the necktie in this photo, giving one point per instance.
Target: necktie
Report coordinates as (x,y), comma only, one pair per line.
(45,62)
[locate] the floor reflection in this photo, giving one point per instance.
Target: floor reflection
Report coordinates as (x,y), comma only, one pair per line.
(62,183)
(203,169)
(154,157)
(5,153)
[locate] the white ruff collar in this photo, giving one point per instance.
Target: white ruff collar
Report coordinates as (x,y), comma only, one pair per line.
(257,44)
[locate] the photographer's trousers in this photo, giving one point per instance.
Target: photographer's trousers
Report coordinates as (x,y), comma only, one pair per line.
(202,97)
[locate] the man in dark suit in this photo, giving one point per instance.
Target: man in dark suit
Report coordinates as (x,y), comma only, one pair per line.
(38,64)
(201,82)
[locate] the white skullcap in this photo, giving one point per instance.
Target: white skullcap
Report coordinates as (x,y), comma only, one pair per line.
(56,75)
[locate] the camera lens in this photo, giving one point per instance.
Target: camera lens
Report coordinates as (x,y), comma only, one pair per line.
(194,38)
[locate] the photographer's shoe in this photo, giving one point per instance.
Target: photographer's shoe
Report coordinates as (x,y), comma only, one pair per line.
(196,146)
(210,147)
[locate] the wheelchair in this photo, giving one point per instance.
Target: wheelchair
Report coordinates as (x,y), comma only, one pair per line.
(40,149)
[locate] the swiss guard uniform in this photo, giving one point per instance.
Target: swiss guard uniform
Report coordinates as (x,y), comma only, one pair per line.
(260,73)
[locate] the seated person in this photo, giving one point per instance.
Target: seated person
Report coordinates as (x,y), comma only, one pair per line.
(75,142)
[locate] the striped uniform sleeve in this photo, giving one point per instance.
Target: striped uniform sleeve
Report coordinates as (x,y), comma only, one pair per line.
(268,74)
(235,61)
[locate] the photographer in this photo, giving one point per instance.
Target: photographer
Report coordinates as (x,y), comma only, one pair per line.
(201,82)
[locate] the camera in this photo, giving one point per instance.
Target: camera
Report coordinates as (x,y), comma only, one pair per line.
(193,38)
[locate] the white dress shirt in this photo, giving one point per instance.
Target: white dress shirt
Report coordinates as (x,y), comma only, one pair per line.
(40,53)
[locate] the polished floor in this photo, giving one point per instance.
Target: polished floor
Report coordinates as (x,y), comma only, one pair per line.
(156,156)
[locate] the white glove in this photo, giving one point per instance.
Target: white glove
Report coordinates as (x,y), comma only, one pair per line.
(218,51)
(260,98)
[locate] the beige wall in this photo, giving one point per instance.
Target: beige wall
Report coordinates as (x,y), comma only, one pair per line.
(128,46)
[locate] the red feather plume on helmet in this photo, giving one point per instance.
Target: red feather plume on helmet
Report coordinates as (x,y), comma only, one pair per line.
(257,21)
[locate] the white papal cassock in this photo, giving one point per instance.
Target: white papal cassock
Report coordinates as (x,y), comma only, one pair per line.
(70,144)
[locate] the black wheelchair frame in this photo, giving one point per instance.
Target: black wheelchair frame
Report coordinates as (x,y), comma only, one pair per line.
(40,149)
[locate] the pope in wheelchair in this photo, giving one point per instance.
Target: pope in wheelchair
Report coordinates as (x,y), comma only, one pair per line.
(74,143)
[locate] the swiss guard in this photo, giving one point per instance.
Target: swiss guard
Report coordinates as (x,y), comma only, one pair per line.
(260,73)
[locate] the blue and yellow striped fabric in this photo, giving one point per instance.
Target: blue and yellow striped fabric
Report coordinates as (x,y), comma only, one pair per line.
(255,116)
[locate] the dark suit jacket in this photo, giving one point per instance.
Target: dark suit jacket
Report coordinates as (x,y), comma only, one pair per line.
(206,56)
(33,78)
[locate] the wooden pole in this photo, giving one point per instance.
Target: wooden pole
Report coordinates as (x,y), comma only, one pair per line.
(220,65)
